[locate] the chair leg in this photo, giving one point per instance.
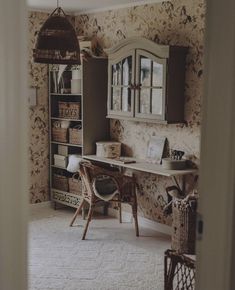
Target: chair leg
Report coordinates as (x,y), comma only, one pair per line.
(91,209)
(134,212)
(83,213)
(120,212)
(77,212)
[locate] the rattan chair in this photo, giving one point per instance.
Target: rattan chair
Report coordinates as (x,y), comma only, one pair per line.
(118,188)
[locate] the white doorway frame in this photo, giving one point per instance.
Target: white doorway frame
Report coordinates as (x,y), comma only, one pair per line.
(215,250)
(14,196)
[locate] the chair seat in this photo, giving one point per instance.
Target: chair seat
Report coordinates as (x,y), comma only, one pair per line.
(104,187)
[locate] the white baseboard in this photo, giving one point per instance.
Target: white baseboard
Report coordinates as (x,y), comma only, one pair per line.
(143,222)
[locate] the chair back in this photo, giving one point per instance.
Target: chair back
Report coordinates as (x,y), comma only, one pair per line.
(98,181)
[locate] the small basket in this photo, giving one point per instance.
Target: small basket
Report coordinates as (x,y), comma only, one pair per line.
(69,110)
(60,182)
(60,134)
(75,135)
(75,184)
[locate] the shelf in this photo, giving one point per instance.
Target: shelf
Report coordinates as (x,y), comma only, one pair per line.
(65,119)
(55,94)
(66,198)
(70,193)
(66,144)
(59,167)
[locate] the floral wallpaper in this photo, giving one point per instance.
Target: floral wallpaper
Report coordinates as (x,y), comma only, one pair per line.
(38,117)
(178,22)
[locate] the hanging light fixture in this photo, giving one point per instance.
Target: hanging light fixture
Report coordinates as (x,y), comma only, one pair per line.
(57,42)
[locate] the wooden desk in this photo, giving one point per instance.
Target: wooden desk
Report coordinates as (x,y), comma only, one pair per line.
(142,165)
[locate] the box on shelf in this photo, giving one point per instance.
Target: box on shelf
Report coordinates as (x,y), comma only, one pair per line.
(63,150)
(108,149)
(69,110)
(76,86)
(60,182)
(60,160)
(75,135)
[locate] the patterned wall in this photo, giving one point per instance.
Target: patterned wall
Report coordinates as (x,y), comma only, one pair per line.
(178,22)
(38,116)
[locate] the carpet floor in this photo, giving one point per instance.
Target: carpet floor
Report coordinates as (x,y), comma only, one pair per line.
(111,258)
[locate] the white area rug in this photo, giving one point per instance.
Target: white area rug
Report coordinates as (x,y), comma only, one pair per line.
(111,258)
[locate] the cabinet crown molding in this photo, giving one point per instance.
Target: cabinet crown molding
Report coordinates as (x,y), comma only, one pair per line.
(161,51)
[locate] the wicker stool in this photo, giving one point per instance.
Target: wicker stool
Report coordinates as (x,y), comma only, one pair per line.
(179,271)
(119,188)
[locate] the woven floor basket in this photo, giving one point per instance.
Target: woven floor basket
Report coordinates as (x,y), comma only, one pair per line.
(184,227)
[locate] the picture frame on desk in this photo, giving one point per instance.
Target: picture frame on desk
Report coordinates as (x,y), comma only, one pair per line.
(155,149)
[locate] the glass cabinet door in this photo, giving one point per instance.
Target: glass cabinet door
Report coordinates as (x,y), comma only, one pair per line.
(121,93)
(150,89)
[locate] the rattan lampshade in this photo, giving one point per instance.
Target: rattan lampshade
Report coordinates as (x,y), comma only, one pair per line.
(57,42)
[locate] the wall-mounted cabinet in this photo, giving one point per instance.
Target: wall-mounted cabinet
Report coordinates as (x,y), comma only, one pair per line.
(146,81)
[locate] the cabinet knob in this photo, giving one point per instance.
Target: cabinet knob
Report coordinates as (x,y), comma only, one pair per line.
(138,87)
(135,87)
(132,86)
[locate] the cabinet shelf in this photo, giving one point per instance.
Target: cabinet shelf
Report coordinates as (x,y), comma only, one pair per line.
(66,119)
(59,167)
(67,144)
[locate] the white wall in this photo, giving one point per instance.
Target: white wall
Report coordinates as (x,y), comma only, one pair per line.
(13,145)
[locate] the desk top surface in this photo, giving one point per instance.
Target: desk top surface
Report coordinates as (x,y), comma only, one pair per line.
(142,165)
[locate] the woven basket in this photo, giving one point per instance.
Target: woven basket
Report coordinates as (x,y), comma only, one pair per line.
(60,182)
(60,134)
(69,110)
(75,135)
(75,184)
(184,226)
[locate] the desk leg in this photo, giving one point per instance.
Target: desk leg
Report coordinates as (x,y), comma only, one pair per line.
(120,211)
(177,185)
(183,186)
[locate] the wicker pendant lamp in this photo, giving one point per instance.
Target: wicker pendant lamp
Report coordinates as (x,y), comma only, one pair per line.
(57,42)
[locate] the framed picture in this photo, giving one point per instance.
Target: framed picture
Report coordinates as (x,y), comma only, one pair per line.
(155,149)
